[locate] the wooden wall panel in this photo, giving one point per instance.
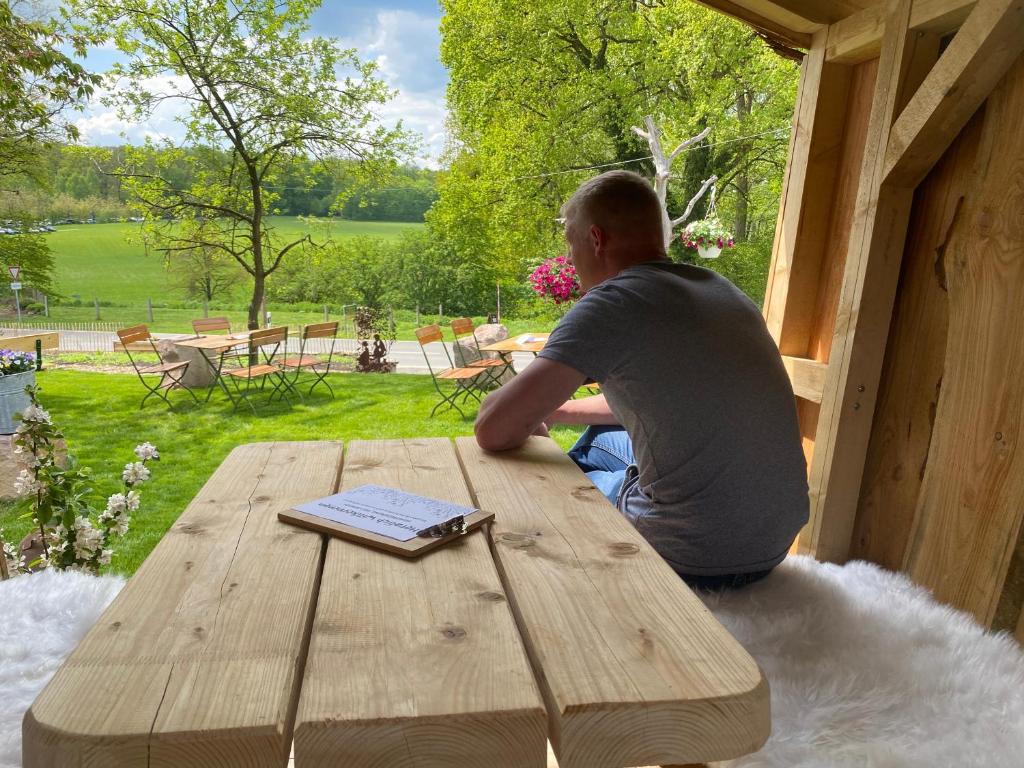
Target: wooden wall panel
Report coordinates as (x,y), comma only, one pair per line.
(858,110)
(969,511)
(915,356)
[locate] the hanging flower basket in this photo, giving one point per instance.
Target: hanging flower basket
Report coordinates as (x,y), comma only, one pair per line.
(707,236)
(17,371)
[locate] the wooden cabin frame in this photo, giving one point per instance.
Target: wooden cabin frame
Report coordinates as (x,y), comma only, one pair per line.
(896,287)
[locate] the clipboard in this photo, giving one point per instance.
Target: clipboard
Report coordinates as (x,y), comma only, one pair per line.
(414,547)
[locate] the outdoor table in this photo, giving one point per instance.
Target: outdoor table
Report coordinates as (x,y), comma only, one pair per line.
(510,345)
(241,635)
(211,349)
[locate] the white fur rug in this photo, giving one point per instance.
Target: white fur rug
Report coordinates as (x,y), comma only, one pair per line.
(42,618)
(866,670)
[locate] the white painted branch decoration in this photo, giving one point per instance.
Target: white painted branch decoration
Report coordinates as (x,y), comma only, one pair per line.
(662,172)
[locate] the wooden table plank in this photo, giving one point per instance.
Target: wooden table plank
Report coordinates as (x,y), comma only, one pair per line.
(633,668)
(195,663)
(513,345)
(416,662)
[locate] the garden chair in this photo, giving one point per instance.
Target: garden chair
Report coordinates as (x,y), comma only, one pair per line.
(135,339)
(305,362)
(248,369)
(464,379)
(205,325)
(462,327)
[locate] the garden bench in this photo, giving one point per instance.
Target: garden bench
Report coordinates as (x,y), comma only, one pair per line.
(240,634)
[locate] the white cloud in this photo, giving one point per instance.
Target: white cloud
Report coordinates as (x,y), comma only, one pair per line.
(403,44)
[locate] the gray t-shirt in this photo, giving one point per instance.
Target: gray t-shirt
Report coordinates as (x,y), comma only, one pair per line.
(689,369)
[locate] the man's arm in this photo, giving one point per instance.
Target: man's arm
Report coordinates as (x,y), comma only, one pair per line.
(513,413)
(587,410)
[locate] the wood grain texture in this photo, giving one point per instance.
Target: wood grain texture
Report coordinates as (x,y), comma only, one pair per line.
(915,356)
(197,661)
(808,193)
(865,305)
(806,376)
(985,47)
(829,278)
(858,37)
(633,667)
(969,511)
(26,342)
(416,662)
(771,20)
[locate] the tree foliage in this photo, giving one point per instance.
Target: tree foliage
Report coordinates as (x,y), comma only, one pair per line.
(540,92)
(38,82)
(262,97)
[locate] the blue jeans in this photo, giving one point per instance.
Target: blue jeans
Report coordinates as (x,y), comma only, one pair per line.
(605,454)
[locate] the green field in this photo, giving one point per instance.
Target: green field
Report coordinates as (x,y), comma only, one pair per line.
(110,262)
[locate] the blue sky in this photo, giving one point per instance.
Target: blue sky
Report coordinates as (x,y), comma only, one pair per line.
(400,35)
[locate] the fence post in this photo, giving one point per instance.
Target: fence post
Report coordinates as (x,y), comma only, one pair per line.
(417,315)
(439,312)
(96,302)
(46,305)
(206,308)
(39,354)
(326,317)
(149,306)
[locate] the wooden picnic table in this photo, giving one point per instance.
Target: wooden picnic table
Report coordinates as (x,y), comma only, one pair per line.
(241,635)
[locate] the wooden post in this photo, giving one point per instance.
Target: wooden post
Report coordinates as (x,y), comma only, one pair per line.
(46,305)
(206,308)
(149,307)
(866,298)
(96,303)
(326,316)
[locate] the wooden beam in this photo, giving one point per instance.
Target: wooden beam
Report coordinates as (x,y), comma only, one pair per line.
(865,305)
(760,23)
(986,46)
(27,342)
(858,37)
(807,377)
(810,179)
(819,12)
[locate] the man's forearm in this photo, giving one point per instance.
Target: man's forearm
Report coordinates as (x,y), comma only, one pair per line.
(588,410)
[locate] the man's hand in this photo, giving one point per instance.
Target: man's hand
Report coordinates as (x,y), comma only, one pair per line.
(513,413)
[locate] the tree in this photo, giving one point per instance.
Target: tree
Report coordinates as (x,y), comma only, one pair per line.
(261,96)
(544,94)
(202,271)
(38,82)
(30,251)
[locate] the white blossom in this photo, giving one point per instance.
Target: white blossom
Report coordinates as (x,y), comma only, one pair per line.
(121,525)
(132,501)
(135,473)
(116,504)
(104,558)
(147,451)
(87,539)
(25,483)
(35,413)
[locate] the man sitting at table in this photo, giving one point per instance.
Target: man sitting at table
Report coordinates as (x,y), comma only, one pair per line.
(694,437)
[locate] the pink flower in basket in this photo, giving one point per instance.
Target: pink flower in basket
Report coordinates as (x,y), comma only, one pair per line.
(555,279)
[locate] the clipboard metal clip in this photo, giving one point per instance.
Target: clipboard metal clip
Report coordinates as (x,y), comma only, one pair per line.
(455,526)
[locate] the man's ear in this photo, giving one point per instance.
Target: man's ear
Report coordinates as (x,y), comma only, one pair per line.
(598,237)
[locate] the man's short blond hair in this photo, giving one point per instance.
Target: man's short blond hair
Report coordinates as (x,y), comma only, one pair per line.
(620,202)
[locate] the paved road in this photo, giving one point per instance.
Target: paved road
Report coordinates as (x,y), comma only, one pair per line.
(407,354)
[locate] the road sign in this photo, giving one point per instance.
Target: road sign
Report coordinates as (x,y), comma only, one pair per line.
(15,271)
(15,286)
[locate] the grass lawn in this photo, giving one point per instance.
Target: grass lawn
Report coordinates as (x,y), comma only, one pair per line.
(109,261)
(100,417)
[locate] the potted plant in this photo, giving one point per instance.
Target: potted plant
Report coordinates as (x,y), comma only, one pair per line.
(17,371)
(708,236)
(556,279)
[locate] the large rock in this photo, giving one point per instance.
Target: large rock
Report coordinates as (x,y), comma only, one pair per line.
(466,349)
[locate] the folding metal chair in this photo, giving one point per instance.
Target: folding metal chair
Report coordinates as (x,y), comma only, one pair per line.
(464,379)
(296,365)
(263,344)
(463,327)
(204,325)
(138,339)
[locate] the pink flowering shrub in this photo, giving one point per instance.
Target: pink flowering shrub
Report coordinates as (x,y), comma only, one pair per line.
(556,279)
